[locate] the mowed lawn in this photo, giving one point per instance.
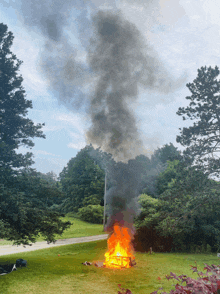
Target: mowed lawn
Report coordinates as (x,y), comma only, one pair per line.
(78,229)
(49,273)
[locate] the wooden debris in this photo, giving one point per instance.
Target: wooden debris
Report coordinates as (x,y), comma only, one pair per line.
(98,264)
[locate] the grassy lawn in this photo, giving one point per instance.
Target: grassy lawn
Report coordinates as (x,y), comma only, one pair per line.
(49,273)
(78,229)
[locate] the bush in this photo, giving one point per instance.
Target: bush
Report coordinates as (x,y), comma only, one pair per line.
(146,235)
(72,214)
(91,213)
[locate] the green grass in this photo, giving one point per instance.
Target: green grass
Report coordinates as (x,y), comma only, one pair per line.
(78,229)
(49,273)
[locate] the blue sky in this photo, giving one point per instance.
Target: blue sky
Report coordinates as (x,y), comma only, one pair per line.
(184,34)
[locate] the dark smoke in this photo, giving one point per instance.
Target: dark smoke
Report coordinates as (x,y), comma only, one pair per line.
(119,63)
(122,196)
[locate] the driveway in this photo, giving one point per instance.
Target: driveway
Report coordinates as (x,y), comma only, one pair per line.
(11,249)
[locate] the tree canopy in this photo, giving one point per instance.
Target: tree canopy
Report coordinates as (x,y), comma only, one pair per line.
(202,139)
(82,181)
(15,128)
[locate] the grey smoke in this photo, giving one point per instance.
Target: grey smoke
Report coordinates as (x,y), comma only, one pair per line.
(122,196)
(121,62)
(67,76)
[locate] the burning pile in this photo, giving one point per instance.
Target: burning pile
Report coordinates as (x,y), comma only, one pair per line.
(119,254)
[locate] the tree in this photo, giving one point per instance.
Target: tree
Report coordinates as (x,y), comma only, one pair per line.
(146,235)
(22,214)
(157,165)
(165,178)
(82,181)
(202,139)
(15,129)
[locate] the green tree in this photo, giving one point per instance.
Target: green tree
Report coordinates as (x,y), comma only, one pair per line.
(164,180)
(157,165)
(191,206)
(202,139)
(15,128)
(22,215)
(146,223)
(82,181)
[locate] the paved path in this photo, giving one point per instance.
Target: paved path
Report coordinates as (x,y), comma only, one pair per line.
(11,249)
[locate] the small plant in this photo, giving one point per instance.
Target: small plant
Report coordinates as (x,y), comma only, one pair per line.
(201,285)
(205,284)
(123,290)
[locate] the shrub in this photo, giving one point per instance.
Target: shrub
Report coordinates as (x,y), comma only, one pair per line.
(91,213)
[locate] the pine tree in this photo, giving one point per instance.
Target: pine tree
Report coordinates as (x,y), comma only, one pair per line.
(15,128)
(202,139)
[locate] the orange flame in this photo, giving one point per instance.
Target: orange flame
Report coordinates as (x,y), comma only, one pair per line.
(119,252)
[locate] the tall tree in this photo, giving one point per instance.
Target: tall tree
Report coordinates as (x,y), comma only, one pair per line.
(202,139)
(15,128)
(83,181)
(22,215)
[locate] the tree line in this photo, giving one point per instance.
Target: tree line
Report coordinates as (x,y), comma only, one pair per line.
(179,199)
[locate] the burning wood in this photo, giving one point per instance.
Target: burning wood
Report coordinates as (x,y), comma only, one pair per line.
(119,254)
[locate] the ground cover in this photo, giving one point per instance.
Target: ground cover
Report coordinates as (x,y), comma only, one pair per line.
(78,229)
(60,270)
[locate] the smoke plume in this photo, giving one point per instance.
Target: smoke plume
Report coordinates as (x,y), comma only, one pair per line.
(106,85)
(121,62)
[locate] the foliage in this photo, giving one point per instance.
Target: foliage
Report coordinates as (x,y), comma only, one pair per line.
(82,181)
(200,285)
(166,178)
(146,223)
(186,212)
(202,139)
(45,189)
(92,214)
(150,208)
(15,129)
(49,177)
(23,217)
(23,211)
(127,291)
(191,210)
(165,153)
(157,165)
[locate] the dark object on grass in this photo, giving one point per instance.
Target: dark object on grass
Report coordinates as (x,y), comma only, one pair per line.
(99,264)
(87,263)
(7,268)
(21,263)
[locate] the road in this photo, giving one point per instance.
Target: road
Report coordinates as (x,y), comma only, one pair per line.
(12,249)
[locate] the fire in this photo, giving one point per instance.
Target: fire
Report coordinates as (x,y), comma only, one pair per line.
(119,254)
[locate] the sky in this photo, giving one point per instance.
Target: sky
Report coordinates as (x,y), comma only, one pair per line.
(183,34)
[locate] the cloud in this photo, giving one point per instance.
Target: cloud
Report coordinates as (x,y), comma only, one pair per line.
(77,146)
(73,120)
(42,152)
